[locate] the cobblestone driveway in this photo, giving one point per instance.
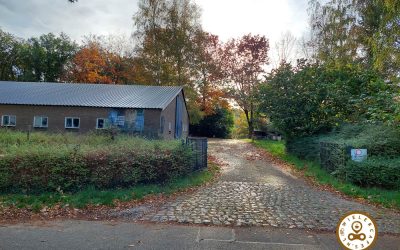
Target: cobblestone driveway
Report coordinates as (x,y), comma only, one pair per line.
(255,192)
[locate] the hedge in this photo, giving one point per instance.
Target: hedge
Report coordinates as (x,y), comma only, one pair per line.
(375,171)
(305,147)
(43,169)
(382,143)
(380,140)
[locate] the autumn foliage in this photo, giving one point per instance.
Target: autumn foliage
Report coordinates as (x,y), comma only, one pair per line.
(168,47)
(245,59)
(89,65)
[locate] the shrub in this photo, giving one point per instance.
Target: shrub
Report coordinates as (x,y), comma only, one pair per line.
(38,171)
(127,161)
(219,124)
(311,99)
(304,147)
(375,171)
(380,140)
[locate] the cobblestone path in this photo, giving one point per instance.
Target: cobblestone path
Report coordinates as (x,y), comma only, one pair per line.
(255,192)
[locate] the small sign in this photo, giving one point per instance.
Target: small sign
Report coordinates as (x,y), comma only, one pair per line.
(358,154)
(121,121)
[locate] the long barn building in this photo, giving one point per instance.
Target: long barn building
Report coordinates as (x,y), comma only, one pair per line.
(158,111)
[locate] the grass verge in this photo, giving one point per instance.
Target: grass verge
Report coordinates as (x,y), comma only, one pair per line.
(386,198)
(108,197)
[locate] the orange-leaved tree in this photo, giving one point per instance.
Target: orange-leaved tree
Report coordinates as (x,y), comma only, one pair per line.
(208,61)
(88,66)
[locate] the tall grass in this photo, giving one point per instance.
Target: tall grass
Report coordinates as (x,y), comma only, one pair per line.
(15,141)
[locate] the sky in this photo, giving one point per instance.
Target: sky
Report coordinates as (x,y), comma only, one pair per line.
(225,18)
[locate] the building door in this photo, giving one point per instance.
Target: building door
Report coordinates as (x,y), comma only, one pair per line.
(139,122)
(178,117)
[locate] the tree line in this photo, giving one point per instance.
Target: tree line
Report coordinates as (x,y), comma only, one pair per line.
(351,74)
(347,66)
(168,47)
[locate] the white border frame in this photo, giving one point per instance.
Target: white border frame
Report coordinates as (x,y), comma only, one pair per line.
(70,117)
(41,117)
(2,117)
(97,123)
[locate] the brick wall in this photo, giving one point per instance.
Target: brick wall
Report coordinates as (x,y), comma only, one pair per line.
(56,117)
(88,116)
(169,116)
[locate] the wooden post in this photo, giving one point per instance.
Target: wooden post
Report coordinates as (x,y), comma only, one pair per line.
(28,133)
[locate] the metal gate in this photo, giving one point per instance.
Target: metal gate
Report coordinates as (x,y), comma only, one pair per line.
(332,155)
(199,146)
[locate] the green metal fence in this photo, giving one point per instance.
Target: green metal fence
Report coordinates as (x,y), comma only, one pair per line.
(199,145)
(332,155)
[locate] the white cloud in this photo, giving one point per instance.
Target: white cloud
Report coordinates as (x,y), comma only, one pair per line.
(226,18)
(272,18)
(234,18)
(28,18)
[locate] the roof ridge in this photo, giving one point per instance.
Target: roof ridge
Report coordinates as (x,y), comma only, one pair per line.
(87,95)
(90,84)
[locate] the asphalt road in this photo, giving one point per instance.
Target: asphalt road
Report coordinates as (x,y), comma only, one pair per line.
(74,234)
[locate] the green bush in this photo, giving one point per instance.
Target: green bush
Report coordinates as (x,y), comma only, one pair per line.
(111,169)
(218,124)
(41,170)
(375,171)
(379,140)
(382,143)
(36,168)
(310,99)
(304,147)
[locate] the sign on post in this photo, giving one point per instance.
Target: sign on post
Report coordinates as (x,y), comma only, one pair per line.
(358,154)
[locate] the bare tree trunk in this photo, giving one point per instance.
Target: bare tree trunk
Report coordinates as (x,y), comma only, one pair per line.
(204,90)
(251,128)
(250,124)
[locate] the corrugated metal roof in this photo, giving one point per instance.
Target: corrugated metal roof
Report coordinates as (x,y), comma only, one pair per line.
(87,95)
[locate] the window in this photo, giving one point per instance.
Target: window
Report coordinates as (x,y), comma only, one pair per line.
(72,122)
(162,122)
(140,112)
(9,120)
(40,122)
(101,123)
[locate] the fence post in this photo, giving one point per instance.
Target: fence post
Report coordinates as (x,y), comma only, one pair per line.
(332,155)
